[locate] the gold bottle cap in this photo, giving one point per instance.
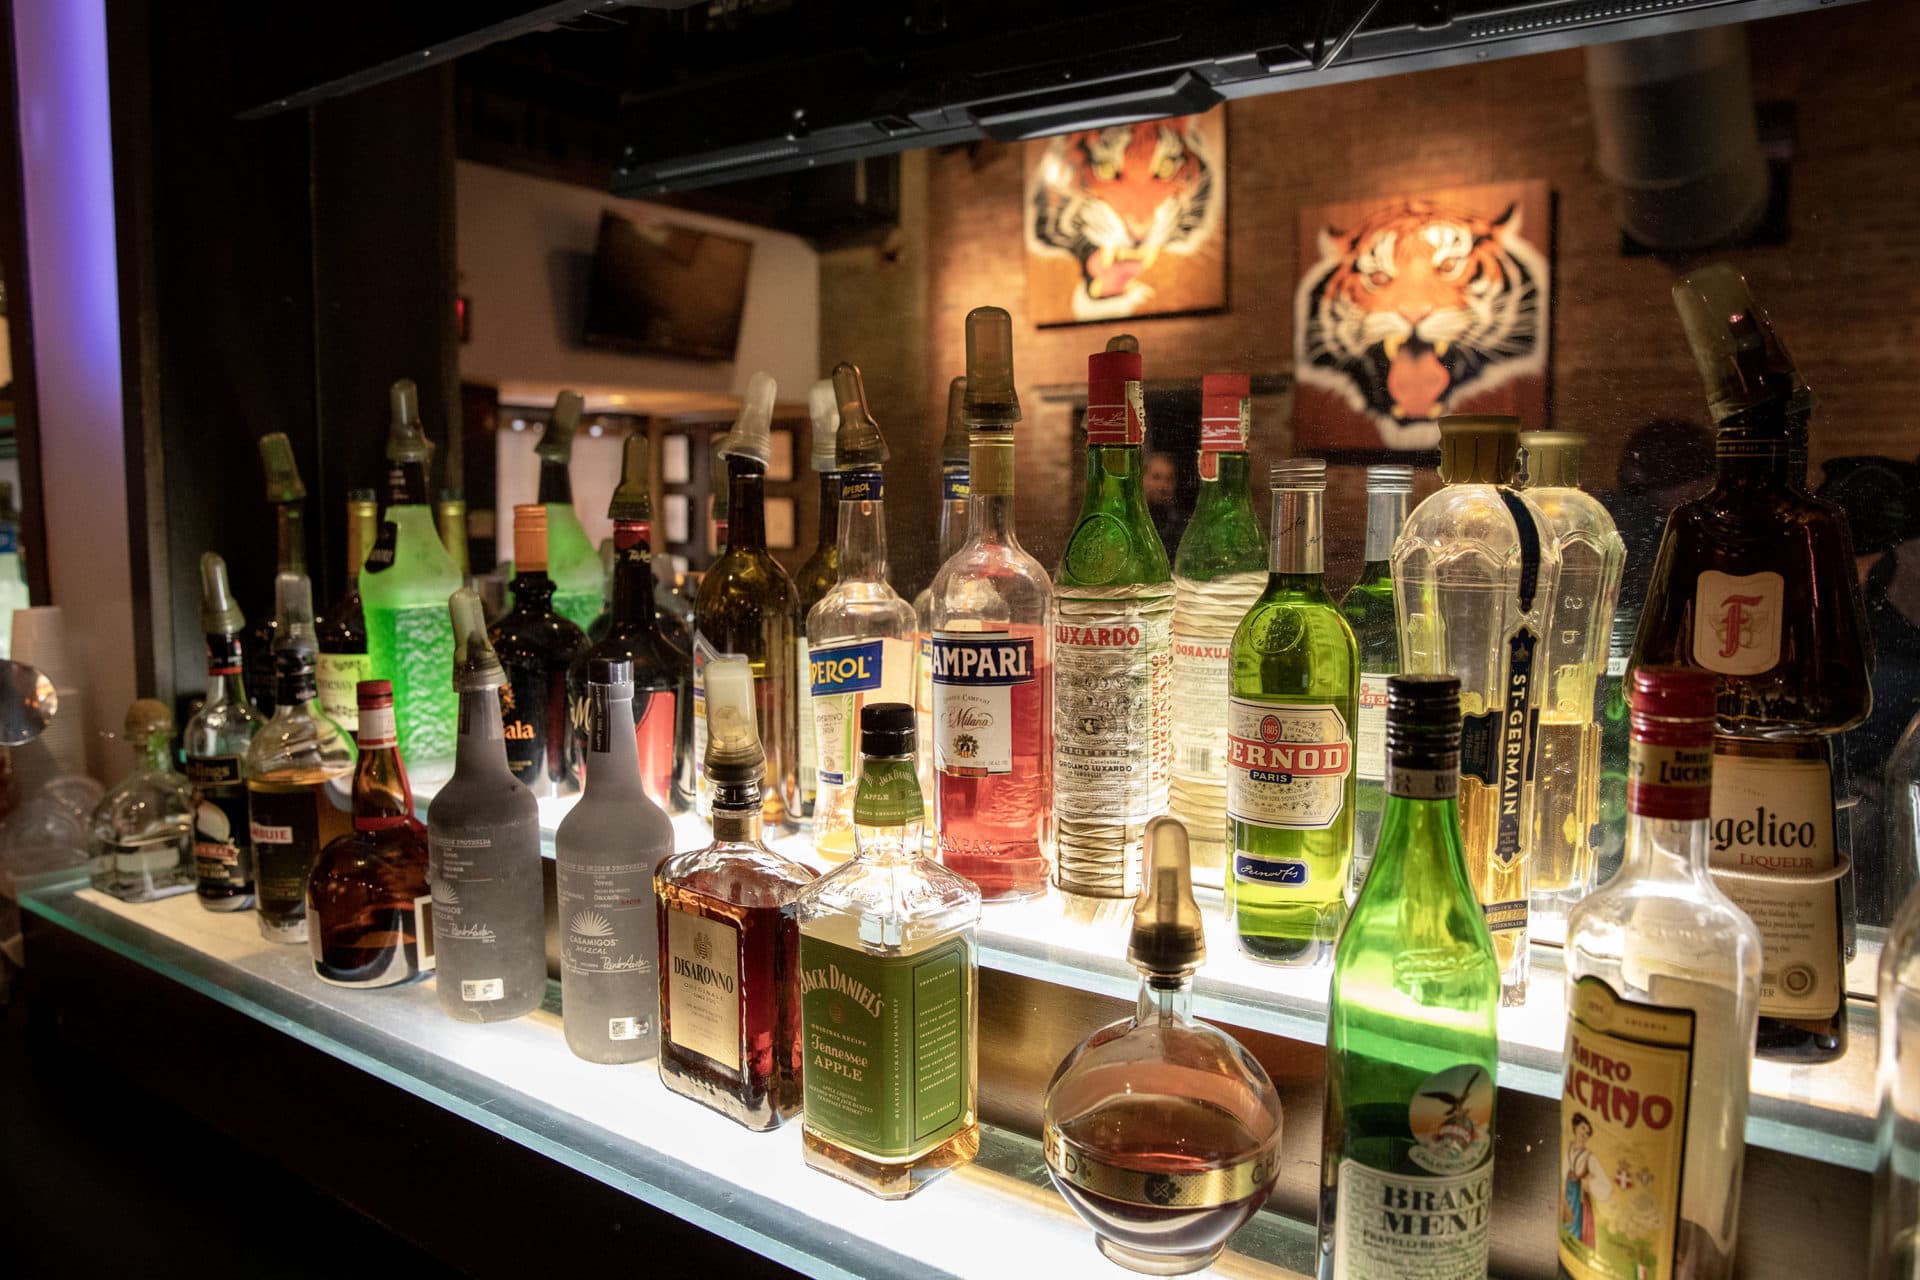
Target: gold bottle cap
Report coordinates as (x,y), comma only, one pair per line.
(218,612)
(823,407)
(556,442)
(1124,342)
(475,664)
(953,446)
(751,436)
(734,754)
(406,437)
(1553,458)
(1479,448)
(859,442)
(147,718)
(530,538)
(1168,939)
(633,496)
(283,473)
(1742,362)
(991,401)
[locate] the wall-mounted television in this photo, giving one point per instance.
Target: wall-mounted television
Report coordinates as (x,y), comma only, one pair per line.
(664,289)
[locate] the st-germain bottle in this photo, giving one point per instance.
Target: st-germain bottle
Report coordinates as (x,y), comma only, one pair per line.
(1219,570)
(1663,988)
(1406,1166)
(342,662)
(537,646)
(730,937)
(142,839)
(889,990)
(288,495)
(954,489)
(1755,582)
(483,851)
(605,855)
(572,563)
(1368,609)
(215,745)
(1293,677)
(1113,650)
(993,615)
(815,578)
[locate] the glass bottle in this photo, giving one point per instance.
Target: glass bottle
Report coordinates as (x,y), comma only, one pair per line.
(1162,1132)
(215,746)
(993,615)
(572,563)
(404,587)
(1368,609)
(288,494)
(1219,570)
(1611,841)
(368,905)
(1893,1251)
(605,855)
(1566,809)
(729,937)
(450,519)
(816,577)
(143,828)
(1663,988)
(537,646)
(860,634)
(954,490)
(13,576)
(1412,1026)
(747,606)
(342,630)
(888,978)
(1473,585)
(483,851)
(1294,675)
(1113,649)
(718,482)
(1755,582)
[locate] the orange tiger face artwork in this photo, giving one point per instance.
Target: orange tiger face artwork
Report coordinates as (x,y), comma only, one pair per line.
(1116,200)
(1419,307)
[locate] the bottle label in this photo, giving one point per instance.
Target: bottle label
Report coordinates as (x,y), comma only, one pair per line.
(1200,1189)
(1773,853)
(1496,746)
(1124,423)
(1199,686)
(653,736)
(1370,738)
(1737,617)
(954,484)
(862,486)
(604,913)
(376,729)
(1287,763)
(974,677)
(703,987)
(1112,714)
(526,704)
(809,737)
(222,843)
(285,827)
(1672,782)
(381,556)
(338,676)
(482,990)
(1623,1135)
(889,1045)
(225,654)
(844,678)
(889,795)
(1422,784)
(452,862)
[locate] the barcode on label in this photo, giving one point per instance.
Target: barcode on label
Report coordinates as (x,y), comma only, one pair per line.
(626,1028)
(475,992)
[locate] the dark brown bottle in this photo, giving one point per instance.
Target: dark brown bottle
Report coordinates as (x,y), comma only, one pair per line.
(342,629)
(537,646)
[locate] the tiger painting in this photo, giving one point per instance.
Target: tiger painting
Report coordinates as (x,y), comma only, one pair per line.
(1116,200)
(1417,308)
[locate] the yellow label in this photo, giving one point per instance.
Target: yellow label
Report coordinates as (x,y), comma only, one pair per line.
(1623,1135)
(703,987)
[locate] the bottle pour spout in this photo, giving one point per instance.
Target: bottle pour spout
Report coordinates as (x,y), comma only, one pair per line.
(859,442)
(283,473)
(751,436)
(1168,941)
(218,612)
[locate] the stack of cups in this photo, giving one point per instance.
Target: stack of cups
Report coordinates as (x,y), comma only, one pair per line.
(40,640)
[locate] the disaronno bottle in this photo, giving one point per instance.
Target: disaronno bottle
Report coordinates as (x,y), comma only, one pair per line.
(887,989)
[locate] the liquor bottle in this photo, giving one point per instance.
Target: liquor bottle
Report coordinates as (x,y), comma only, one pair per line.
(1294,676)
(299,781)
(1566,810)
(729,937)
(1113,649)
(605,854)
(816,577)
(1893,1251)
(450,521)
(888,978)
(860,634)
(404,587)
(13,577)
(572,563)
(483,851)
(662,675)
(747,608)
(1474,578)
(1368,609)
(215,745)
(368,904)
(954,490)
(537,646)
(1162,1132)
(1219,570)
(288,494)
(1610,844)
(1755,582)
(1413,1039)
(718,482)
(1663,988)
(342,662)
(142,846)
(993,615)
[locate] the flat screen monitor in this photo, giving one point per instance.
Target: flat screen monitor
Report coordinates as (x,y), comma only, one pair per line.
(664,289)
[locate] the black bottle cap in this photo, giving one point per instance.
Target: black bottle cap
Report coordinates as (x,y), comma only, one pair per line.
(609,671)
(1423,721)
(292,660)
(886,729)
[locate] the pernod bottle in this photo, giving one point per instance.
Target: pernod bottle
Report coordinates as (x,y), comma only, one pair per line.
(1368,609)
(215,745)
(483,851)
(605,853)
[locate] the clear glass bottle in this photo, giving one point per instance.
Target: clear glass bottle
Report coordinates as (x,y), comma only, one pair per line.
(288,495)
(1413,1038)
(1162,1132)
(143,828)
(605,854)
(993,616)
(572,563)
(1113,650)
(1219,570)
(1293,675)
(342,630)
(729,935)
(13,577)
(1663,989)
(1368,609)
(888,978)
(537,646)
(860,634)
(215,747)
(1566,809)
(816,577)
(1473,584)
(1893,1251)
(483,851)
(954,490)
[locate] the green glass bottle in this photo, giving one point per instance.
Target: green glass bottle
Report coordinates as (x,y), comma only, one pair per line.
(1406,1170)
(1368,609)
(1293,675)
(572,561)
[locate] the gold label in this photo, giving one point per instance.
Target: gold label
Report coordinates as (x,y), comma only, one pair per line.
(1736,621)
(703,987)
(1197,1189)
(992,469)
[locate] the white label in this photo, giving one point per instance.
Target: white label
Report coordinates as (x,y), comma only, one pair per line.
(1287,763)
(703,987)
(1736,622)
(1200,669)
(376,728)
(1411,1228)
(809,749)
(267,833)
(626,1028)
(974,676)
(1370,745)
(483,990)
(844,677)
(1112,718)
(338,677)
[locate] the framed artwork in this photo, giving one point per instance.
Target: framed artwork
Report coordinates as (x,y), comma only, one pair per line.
(675,460)
(1129,220)
(779,514)
(674,512)
(1412,307)
(780,455)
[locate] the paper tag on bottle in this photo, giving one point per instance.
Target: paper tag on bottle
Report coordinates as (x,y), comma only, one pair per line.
(1287,763)
(974,677)
(1199,687)
(1370,737)
(1737,619)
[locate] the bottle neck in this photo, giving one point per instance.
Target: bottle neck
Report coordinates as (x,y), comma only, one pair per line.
(1669,803)
(156,754)
(1225,479)
(1297,548)
(863,528)
(632,609)
(291,526)
(481,747)
(955,488)
(1164,1000)
(1386,513)
(747,505)
(532,591)
(406,484)
(225,670)
(1113,479)
(382,797)
(829,509)
(888,811)
(556,482)
(990,499)
(613,754)
(736,815)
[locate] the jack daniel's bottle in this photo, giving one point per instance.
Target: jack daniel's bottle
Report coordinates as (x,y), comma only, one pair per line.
(1755,582)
